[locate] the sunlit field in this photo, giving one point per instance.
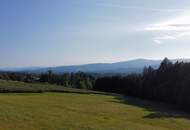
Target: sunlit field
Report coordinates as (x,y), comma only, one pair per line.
(74,111)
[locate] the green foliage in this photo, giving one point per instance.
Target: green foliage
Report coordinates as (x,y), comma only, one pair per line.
(75,80)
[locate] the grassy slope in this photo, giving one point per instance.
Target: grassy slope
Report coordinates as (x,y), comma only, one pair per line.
(21,87)
(71,111)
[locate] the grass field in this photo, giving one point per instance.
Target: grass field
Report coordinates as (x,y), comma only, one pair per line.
(21,87)
(85,111)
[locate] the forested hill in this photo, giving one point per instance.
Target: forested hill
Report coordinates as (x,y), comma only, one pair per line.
(126,67)
(169,83)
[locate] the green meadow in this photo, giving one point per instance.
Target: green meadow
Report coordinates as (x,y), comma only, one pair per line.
(84,111)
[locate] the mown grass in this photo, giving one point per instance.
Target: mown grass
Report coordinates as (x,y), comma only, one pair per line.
(76,111)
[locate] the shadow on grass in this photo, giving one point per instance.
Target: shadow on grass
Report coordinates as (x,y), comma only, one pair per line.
(156,109)
(26,89)
(87,92)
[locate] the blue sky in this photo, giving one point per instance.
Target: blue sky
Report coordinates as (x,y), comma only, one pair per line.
(64,32)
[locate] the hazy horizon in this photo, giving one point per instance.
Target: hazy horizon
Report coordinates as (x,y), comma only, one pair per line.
(92,63)
(47,33)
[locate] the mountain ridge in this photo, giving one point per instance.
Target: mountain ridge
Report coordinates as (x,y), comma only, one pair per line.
(130,66)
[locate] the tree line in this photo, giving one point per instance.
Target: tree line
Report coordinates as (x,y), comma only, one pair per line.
(169,83)
(75,80)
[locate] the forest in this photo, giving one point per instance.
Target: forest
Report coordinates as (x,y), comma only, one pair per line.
(170,83)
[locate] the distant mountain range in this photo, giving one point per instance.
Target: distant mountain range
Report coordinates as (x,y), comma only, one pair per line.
(126,67)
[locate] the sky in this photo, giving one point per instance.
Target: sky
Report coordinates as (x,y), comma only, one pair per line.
(70,32)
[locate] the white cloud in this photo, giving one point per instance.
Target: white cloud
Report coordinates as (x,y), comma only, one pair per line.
(159,40)
(142,8)
(176,28)
(168,27)
(166,37)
